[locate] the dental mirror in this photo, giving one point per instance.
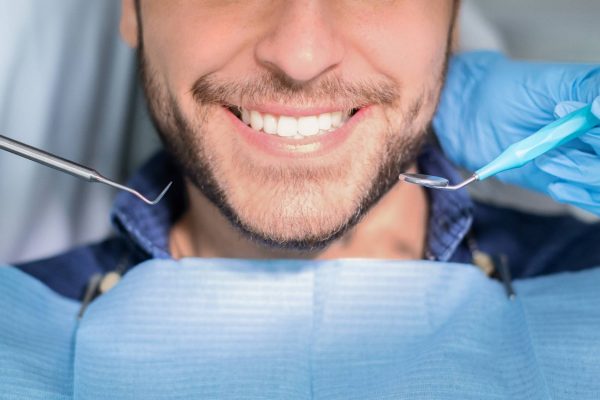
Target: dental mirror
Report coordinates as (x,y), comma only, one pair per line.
(435,182)
(520,153)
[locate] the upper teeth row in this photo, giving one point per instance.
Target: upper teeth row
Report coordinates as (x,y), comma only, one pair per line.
(287,126)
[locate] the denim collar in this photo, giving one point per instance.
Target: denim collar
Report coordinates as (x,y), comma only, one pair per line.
(450,212)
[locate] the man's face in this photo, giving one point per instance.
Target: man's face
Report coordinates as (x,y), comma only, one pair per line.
(292,116)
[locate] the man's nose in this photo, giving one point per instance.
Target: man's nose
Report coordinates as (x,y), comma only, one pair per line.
(302,42)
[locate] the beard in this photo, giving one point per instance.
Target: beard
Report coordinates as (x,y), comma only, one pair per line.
(293,207)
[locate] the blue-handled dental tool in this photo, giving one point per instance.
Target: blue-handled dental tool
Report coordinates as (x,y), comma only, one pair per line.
(518,154)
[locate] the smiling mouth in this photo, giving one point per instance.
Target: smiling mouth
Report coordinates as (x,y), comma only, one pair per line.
(293,127)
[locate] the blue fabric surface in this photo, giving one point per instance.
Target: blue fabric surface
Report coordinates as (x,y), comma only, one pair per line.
(37,331)
(342,329)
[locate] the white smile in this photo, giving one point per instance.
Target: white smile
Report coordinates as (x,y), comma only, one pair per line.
(293,127)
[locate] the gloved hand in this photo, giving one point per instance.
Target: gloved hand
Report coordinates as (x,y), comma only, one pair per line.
(490,102)
(575,165)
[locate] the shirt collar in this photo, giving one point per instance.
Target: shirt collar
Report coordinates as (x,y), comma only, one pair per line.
(450,212)
(148,226)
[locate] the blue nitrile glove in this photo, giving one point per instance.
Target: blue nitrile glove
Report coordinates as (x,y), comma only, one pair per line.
(490,102)
(576,165)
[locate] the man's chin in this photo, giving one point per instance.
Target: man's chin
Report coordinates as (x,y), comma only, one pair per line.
(308,242)
(307,213)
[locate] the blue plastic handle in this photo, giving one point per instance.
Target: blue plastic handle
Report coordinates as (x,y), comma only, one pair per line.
(551,136)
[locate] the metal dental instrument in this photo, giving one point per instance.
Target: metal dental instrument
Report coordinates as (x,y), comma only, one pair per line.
(518,154)
(60,164)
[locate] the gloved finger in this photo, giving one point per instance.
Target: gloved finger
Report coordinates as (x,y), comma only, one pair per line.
(574,195)
(592,139)
(566,107)
(574,166)
(596,107)
(588,143)
(581,144)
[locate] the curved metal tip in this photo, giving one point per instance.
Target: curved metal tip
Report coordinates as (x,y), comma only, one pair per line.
(435,182)
(137,194)
(157,199)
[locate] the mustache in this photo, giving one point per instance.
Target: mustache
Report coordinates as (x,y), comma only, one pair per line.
(278,88)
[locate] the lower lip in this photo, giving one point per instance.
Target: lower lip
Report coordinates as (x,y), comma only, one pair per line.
(313,146)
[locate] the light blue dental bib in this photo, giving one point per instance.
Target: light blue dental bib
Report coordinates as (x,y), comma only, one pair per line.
(224,329)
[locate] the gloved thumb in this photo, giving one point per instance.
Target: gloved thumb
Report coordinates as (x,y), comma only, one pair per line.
(596,107)
(565,107)
(592,138)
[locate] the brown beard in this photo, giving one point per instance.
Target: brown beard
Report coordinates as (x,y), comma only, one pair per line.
(181,142)
(185,144)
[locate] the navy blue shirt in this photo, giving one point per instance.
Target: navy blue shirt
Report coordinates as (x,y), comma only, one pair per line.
(532,245)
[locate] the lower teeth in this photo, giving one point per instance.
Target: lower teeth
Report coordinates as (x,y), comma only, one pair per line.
(297,135)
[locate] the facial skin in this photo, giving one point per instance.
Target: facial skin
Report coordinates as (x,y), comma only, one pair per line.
(202,59)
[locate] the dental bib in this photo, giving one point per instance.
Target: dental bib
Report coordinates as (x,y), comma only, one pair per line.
(360,329)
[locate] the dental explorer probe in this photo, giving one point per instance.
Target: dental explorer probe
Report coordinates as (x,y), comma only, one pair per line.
(69,167)
(520,153)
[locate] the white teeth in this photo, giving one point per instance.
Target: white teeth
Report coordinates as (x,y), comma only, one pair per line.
(256,120)
(325,121)
(308,126)
(292,127)
(270,124)
(336,119)
(287,127)
(246,117)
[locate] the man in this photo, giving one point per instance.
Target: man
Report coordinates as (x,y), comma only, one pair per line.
(286,125)
(286,133)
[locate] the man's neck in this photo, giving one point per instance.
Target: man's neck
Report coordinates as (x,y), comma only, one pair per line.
(394,228)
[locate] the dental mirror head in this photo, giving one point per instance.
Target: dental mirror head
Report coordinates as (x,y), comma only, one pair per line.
(430,181)
(435,182)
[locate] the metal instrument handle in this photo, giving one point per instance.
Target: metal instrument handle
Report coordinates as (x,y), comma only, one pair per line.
(47,159)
